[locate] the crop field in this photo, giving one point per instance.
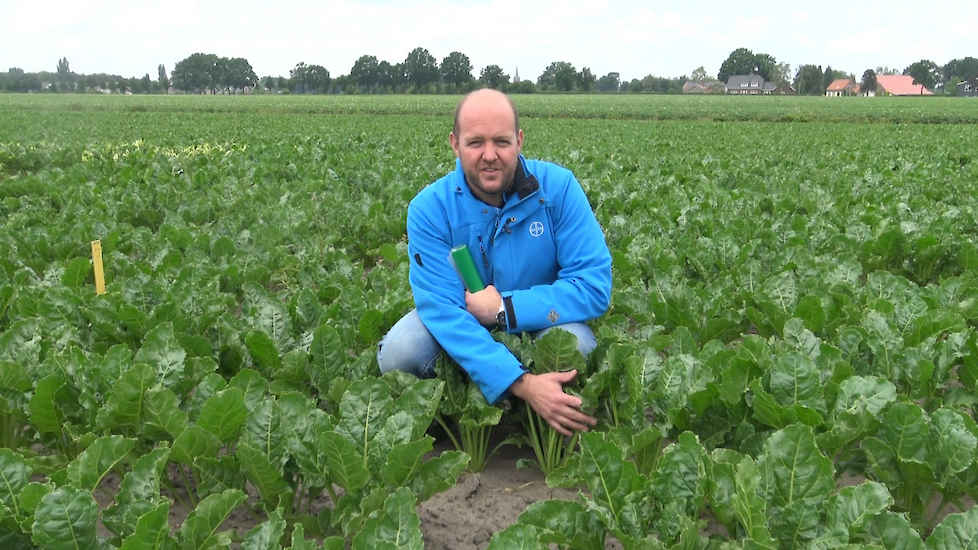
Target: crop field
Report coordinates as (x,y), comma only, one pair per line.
(790,357)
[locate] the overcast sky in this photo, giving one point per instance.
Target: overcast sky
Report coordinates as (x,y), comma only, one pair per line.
(631,37)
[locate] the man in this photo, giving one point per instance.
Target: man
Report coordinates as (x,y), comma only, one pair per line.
(536,245)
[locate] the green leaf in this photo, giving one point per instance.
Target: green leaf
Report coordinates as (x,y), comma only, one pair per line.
(956,532)
(124,407)
(893,531)
(680,475)
(438,474)
(66,518)
(346,466)
(138,493)
(46,415)
(853,508)
(87,471)
(198,531)
(564,523)
(223,414)
(517,537)
(152,531)
(262,472)
(398,526)
(364,409)
(264,351)
(795,380)
(218,474)
(14,476)
(329,358)
(792,467)
(404,460)
(616,487)
(954,445)
(77,272)
(369,327)
(266,535)
(162,417)
(193,442)
(556,351)
(161,350)
(749,505)
(933,324)
(254,386)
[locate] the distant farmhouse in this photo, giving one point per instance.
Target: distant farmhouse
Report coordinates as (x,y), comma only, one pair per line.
(704,87)
(968,88)
(755,85)
(899,84)
(842,87)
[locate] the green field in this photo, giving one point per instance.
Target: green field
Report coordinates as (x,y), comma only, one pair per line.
(795,302)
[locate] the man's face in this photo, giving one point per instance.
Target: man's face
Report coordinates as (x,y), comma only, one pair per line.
(488,146)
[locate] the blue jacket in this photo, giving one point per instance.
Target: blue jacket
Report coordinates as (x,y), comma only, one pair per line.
(543,250)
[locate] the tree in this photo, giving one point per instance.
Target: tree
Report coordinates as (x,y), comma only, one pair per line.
(765,65)
(635,85)
(586,80)
(808,80)
(456,69)
(366,72)
(163,80)
(886,71)
(699,75)
(559,75)
(309,79)
(827,77)
(64,74)
(925,73)
(781,73)
(492,76)
(740,61)
(196,73)
(869,83)
(964,69)
(420,69)
(234,74)
(609,82)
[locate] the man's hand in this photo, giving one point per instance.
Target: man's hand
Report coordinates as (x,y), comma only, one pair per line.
(545,393)
(484,305)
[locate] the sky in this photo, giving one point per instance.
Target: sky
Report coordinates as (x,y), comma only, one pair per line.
(633,38)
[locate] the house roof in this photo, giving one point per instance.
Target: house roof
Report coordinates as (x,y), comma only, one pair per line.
(839,85)
(745,81)
(901,84)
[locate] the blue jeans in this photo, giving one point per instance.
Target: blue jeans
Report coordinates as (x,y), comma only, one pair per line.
(409,347)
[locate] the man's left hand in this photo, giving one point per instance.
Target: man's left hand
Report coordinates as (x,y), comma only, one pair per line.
(484,305)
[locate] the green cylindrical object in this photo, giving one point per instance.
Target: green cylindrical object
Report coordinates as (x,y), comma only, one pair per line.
(463,263)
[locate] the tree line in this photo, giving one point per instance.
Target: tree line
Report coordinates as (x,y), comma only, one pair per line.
(813,80)
(420,72)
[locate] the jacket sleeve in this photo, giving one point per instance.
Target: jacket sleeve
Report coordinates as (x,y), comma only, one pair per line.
(582,290)
(440,299)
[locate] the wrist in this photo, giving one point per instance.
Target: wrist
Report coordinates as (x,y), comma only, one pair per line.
(501,314)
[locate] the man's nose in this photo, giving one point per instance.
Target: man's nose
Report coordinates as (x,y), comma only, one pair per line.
(489,153)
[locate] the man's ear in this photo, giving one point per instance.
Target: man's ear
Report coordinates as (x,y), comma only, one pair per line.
(453,141)
(519,141)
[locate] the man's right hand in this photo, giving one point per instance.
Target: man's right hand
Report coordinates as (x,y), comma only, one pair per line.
(545,393)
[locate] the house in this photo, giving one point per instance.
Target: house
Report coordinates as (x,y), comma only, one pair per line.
(968,88)
(751,84)
(705,87)
(841,87)
(756,85)
(899,84)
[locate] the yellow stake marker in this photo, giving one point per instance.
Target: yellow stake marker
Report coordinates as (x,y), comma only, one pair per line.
(97,264)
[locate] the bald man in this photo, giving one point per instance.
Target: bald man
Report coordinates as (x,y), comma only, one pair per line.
(536,245)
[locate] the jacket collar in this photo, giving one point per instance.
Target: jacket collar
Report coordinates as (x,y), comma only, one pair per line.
(524,183)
